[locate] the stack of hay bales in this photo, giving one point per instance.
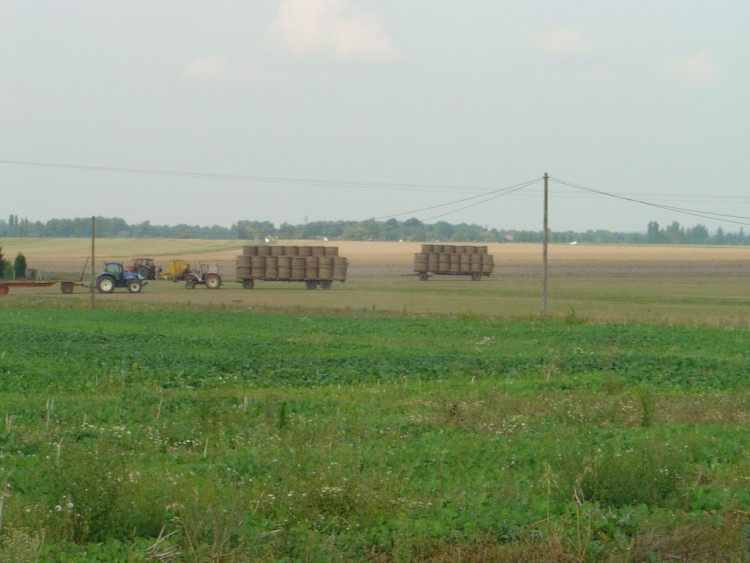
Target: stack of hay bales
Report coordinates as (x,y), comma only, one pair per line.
(291,263)
(454,259)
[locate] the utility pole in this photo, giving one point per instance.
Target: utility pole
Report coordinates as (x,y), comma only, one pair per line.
(93,262)
(545,239)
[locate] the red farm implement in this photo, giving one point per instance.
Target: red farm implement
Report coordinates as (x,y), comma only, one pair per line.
(66,286)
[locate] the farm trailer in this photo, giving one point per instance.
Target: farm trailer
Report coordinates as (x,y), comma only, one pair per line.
(453,260)
(314,265)
(66,286)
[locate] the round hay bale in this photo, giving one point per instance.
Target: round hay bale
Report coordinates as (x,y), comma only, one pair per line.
(272,267)
(455,263)
(427,248)
(298,267)
(305,251)
(250,250)
(291,250)
(258,266)
(332,250)
(488,263)
(311,267)
(284,267)
(318,250)
(264,251)
(420,262)
(465,263)
(444,262)
(325,267)
(432,262)
(339,268)
(277,251)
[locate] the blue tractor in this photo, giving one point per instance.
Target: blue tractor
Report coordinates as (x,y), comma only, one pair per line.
(114,275)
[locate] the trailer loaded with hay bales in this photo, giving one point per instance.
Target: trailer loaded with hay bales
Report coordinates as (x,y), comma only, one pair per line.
(453,260)
(316,266)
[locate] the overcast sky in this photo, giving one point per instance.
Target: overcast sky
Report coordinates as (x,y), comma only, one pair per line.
(208,112)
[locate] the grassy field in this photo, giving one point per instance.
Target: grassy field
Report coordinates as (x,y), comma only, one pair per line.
(386,419)
(208,435)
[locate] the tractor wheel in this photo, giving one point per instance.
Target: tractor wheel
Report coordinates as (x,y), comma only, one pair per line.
(144,272)
(134,286)
(190,283)
(66,288)
(247,284)
(212,281)
(105,284)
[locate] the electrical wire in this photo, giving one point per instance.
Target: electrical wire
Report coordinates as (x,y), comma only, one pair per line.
(693,212)
(250,178)
(499,192)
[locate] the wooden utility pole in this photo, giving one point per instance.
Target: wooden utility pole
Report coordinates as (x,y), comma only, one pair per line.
(545,239)
(93,262)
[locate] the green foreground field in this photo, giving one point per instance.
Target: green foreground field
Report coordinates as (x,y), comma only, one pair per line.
(186,431)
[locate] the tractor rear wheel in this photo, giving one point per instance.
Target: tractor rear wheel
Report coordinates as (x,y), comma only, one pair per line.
(212,281)
(105,284)
(144,272)
(134,286)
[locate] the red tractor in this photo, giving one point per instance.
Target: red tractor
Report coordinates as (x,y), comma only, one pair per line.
(144,267)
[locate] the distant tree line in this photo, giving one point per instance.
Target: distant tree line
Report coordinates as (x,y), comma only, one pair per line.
(392,229)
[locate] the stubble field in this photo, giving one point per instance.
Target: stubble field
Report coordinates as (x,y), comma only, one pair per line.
(596,282)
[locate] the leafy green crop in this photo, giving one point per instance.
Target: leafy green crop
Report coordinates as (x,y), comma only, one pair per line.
(226,435)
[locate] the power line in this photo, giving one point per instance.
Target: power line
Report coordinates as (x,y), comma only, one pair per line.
(693,212)
(252,178)
(497,193)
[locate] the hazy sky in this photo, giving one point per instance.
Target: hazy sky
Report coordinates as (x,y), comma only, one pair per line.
(209,112)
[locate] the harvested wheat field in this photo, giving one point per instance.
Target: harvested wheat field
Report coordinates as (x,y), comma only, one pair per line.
(599,282)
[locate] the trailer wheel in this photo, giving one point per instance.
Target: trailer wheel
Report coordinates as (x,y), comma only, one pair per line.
(476,276)
(190,283)
(105,284)
(66,288)
(326,284)
(247,284)
(423,276)
(4,289)
(311,284)
(212,281)
(134,286)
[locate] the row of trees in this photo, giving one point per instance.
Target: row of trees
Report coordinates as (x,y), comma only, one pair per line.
(392,229)
(17,270)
